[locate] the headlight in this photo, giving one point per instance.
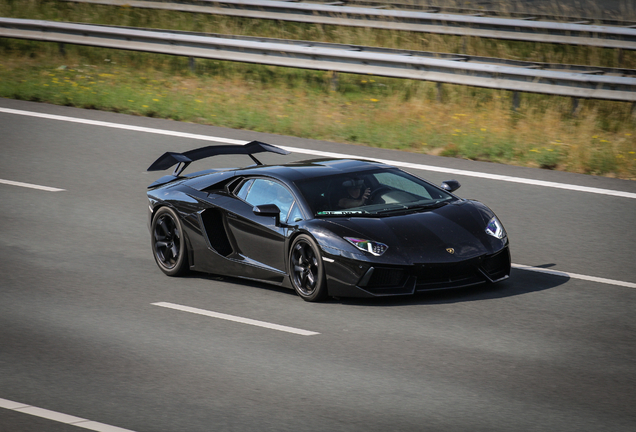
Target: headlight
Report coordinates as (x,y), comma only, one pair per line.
(495,229)
(373,247)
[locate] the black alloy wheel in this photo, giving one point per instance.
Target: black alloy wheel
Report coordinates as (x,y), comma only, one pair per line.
(306,269)
(168,243)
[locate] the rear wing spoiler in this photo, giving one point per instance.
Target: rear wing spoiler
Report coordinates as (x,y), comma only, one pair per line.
(182,160)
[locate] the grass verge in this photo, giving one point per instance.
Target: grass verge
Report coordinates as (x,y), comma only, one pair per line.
(470,123)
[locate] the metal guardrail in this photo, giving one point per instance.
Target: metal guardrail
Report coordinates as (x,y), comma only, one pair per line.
(557,67)
(449,24)
(513,10)
(338,58)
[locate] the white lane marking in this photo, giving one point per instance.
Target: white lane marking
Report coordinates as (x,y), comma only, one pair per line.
(121,126)
(575,276)
(31,186)
(236,319)
(498,177)
(59,417)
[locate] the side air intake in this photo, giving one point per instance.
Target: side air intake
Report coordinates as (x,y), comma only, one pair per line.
(215,231)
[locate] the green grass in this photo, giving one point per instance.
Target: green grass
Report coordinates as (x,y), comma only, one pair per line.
(470,123)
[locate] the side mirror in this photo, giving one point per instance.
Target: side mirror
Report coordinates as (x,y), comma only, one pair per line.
(270,210)
(450,185)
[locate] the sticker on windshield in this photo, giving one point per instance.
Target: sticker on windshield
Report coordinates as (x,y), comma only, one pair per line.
(340,212)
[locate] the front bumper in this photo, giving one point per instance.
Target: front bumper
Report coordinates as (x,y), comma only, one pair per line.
(355,279)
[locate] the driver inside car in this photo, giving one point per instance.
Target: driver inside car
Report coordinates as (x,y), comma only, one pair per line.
(354,196)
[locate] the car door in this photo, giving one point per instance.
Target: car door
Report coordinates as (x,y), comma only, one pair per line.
(257,238)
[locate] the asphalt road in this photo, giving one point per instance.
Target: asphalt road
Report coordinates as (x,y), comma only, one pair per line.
(79,334)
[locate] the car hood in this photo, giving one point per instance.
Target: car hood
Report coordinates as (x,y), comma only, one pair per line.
(427,236)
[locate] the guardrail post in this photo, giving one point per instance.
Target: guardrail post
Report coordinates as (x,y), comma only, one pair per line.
(633,110)
(192,64)
(62,49)
(440,92)
(333,84)
(575,107)
(516,99)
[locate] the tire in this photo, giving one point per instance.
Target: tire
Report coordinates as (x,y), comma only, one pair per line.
(168,242)
(306,269)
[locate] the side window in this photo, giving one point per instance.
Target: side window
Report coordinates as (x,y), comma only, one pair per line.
(263,191)
(244,189)
(295,215)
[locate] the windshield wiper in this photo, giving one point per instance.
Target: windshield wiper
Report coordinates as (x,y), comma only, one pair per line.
(403,208)
(399,209)
(436,204)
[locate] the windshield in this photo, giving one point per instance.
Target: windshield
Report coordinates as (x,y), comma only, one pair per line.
(371,193)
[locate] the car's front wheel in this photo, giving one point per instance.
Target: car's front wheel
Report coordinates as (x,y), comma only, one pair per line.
(168,242)
(306,269)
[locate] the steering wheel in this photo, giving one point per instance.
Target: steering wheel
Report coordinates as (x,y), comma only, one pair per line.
(378,192)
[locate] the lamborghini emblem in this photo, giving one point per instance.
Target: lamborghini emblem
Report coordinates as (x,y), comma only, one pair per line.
(450,250)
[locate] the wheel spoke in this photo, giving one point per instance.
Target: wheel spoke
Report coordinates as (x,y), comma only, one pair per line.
(311,279)
(161,244)
(298,253)
(309,257)
(174,251)
(157,233)
(167,254)
(303,283)
(162,224)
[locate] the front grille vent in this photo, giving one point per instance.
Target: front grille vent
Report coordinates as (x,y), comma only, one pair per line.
(497,266)
(386,277)
(442,276)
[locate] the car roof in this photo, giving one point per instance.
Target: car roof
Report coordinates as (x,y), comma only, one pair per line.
(313,168)
(290,172)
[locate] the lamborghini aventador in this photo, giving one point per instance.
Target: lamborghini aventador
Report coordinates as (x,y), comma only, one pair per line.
(323,227)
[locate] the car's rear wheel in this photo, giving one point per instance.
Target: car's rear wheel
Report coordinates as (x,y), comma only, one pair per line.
(306,269)
(168,242)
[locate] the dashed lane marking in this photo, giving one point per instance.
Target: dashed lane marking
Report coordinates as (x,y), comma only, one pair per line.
(30,186)
(59,417)
(235,319)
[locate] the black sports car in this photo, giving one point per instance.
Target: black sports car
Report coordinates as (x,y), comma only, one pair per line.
(324,227)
